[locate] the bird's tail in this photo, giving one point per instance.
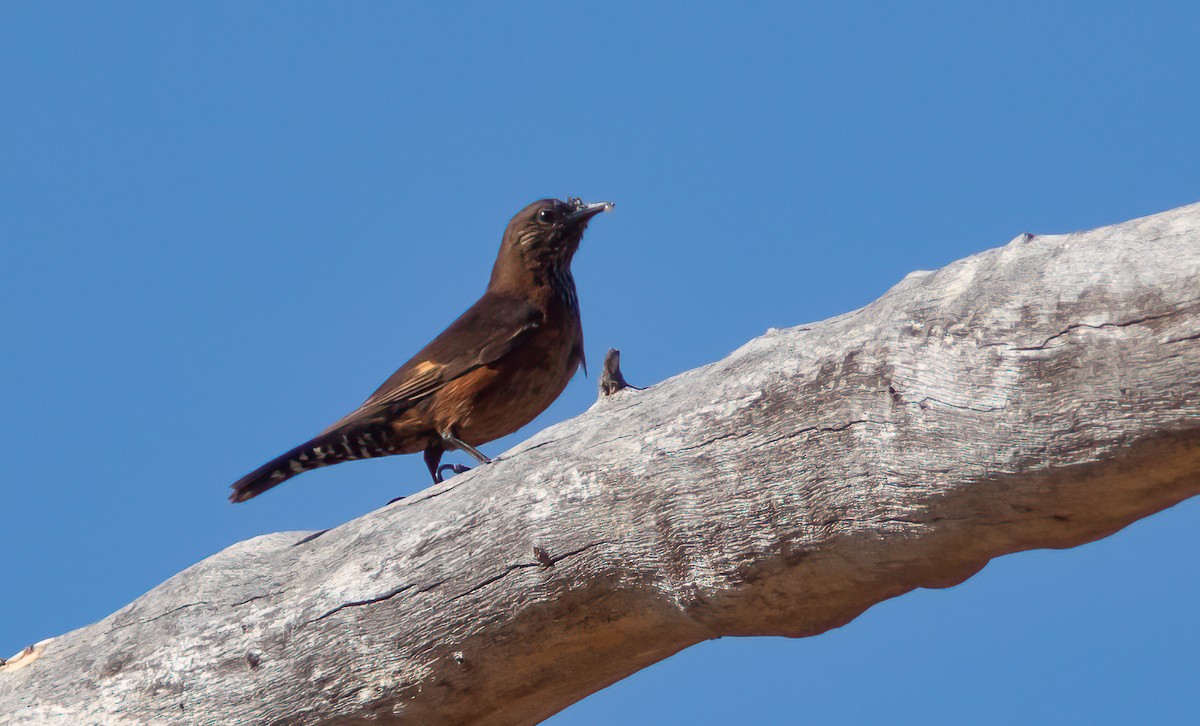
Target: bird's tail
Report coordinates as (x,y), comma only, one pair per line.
(332,447)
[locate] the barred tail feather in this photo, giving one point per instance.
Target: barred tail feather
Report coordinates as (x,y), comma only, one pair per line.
(331,447)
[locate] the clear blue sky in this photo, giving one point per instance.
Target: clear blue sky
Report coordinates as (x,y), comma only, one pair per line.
(223,224)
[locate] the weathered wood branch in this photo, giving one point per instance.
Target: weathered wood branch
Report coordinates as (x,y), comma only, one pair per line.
(1040,395)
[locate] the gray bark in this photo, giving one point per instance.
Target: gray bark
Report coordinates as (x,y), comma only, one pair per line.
(1043,394)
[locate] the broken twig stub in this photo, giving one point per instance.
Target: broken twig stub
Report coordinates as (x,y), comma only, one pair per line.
(611,379)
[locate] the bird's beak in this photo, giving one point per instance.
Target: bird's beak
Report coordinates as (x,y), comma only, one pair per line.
(587,211)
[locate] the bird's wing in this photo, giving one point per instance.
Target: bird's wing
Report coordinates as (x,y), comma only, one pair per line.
(487,331)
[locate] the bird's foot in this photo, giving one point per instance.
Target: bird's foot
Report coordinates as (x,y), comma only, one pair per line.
(456,468)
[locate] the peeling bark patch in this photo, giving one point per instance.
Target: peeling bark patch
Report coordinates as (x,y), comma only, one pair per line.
(25,658)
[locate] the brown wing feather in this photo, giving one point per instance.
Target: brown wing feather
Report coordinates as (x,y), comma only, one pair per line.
(487,331)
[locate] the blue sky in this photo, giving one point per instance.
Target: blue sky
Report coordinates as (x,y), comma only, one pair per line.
(223,224)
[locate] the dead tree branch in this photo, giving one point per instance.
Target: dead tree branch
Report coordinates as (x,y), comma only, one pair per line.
(1044,394)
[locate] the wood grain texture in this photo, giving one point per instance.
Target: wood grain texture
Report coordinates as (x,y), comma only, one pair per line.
(1043,394)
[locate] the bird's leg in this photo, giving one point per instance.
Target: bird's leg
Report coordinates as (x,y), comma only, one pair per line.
(450,441)
(464,446)
(433,457)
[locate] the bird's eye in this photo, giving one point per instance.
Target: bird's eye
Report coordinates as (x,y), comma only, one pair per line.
(546,215)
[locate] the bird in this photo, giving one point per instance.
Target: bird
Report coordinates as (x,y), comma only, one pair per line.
(490,372)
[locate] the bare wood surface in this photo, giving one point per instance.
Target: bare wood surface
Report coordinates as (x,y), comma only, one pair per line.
(1044,394)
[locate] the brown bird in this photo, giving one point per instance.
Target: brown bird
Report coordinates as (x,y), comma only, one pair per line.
(496,367)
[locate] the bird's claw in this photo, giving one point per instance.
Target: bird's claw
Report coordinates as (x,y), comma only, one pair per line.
(456,468)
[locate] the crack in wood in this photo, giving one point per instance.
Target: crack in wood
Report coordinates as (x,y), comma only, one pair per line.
(359,603)
(1193,336)
(258,597)
(927,399)
(525,565)
(1122,324)
(160,616)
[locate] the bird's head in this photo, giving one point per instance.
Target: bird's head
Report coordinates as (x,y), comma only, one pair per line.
(543,237)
